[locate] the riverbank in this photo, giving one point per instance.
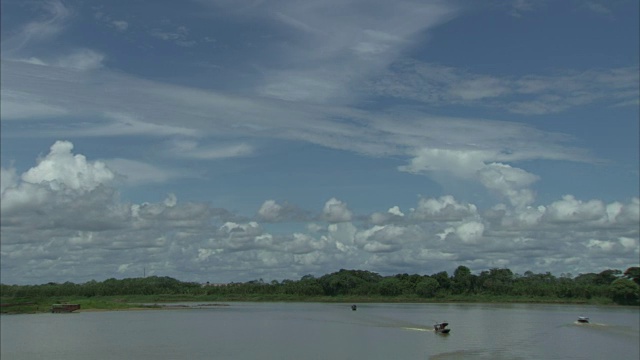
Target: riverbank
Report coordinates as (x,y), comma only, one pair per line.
(158,302)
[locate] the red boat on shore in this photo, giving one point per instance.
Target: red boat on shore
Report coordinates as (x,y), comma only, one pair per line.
(64,308)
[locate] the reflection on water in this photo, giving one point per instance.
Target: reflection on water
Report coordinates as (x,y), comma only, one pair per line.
(326,331)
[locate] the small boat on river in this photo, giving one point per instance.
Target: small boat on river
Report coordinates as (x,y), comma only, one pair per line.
(441,328)
(583,319)
(354,307)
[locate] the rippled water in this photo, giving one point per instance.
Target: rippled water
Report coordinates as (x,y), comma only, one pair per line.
(327,331)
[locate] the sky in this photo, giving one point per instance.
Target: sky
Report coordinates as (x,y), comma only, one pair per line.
(237,140)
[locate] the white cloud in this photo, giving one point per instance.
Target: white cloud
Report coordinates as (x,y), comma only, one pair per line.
(270,210)
(123,268)
(342,235)
(525,218)
(62,170)
(393,214)
(135,172)
(178,35)
(8,178)
(461,163)
(336,211)
(377,239)
(510,182)
(303,244)
(56,16)
(470,232)
(570,209)
(597,7)
(16,105)
(446,208)
(94,223)
(81,59)
(478,88)
(187,148)
(348,47)
(395,211)
(120,25)
(518,7)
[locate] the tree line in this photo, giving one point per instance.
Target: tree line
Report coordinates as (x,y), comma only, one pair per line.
(621,287)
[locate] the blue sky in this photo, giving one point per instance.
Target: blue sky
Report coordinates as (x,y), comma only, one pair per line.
(218,140)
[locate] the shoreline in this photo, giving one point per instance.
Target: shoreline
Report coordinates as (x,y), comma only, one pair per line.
(182,304)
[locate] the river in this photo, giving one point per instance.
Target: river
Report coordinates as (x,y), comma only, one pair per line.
(327,331)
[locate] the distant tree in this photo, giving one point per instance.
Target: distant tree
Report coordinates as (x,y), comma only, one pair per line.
(497,281)
(444,282)
(633,273)
(461,282)
(427,287)
(346,282)
(607,277)
(390,286)
(625,292)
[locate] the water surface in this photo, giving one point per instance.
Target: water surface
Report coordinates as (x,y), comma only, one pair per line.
(327,331)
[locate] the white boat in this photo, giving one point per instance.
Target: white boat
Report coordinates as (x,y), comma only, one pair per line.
(583,319)
(440,328)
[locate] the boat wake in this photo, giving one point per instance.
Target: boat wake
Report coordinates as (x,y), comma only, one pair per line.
(417,329)
(589,324)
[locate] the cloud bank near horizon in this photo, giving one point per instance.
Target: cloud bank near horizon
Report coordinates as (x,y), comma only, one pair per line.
(66,210)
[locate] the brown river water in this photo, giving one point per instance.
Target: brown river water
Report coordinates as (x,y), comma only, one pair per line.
(327,331)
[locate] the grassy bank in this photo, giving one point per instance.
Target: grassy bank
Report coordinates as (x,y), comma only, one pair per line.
(106,303)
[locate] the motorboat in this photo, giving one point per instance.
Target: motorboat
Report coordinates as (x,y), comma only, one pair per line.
(583,319)
(354,307)
(441,328)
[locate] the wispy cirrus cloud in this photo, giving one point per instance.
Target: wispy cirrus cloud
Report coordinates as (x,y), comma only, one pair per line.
(189,148)
(530,94)
(327,50)
(54,16)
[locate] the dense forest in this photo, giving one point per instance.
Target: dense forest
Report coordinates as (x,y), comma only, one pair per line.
(620,287)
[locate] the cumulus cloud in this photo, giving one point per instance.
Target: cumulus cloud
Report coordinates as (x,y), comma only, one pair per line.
(8,178)
(91,224)
(303,244)
(393,214)
(570,209)
(470,232)
(510,182)
(459,162)
(336,211)
(381,239)
(246,236)
(446,208)
(271,211)
(61,169)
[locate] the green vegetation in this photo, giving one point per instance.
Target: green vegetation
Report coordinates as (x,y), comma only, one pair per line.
(494,285)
